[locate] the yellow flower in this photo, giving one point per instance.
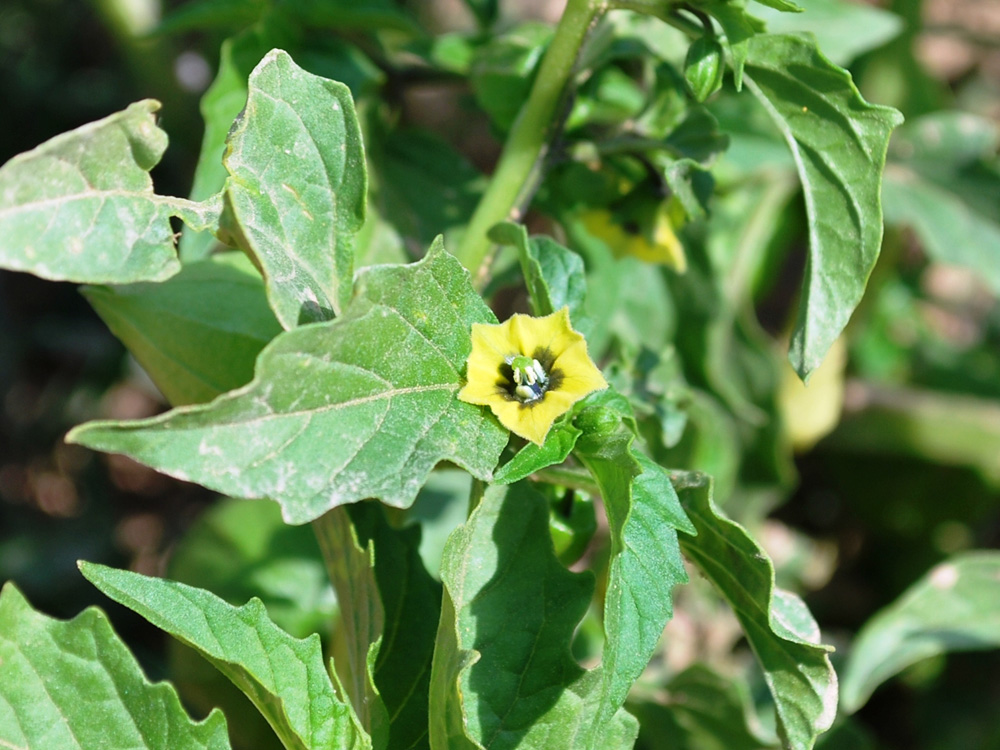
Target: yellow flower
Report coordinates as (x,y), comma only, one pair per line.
(656,243)
(529,371)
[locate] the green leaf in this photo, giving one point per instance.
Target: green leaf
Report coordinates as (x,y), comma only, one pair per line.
(208,14)
(422,185)
(361,407)
(643,513)
(785,6)
(297,187)
(704,710)
(348,15)
(284,677)
(75,685)
(942,179)
(503,676)
(843,29)
(197,334)
(220,105)
(484,10)
(739,27)
(350,566)
(556,448)
(80,207)
(554,276)
(403,667)
(779,628)
(955,607)
(839,143)
(239,549)
(504,68)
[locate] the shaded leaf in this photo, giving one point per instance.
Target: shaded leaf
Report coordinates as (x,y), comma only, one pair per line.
(955,607)
(75,684)
(703,710)
(284,677)
(297,187)
(403,666)
(942,179)
(779,628)
(422,185)
(361,407)
(839,143)
(80,207)
(198,333)
(503,674)
(350,566)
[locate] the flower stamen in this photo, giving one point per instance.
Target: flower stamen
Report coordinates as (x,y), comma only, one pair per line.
(530,379)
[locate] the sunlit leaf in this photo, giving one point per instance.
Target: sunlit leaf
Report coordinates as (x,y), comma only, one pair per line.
(81,207)
(297,187)
(284,677)
(364,406)
(75,685)
(839,143)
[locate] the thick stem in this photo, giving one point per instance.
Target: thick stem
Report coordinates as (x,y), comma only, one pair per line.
(530,136)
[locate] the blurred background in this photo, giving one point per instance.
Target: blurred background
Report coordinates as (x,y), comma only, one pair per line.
(904,473)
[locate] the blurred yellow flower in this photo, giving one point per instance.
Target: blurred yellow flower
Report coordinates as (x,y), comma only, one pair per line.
(529,371)
(656,243)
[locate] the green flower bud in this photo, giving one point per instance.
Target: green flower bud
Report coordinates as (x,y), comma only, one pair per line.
(703,67)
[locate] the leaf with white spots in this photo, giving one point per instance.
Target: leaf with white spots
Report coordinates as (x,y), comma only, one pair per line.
(955,607)
(81,207)
(75,685)
(363,406)
(297,185)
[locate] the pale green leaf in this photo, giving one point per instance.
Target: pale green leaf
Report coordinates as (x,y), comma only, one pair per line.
(843,29)
(80,207)
(297,187)
(839,143)
(361,407)
(955,607)
(196,334)
(942,180)
(285,677)
(503,676)
(783,635)
(74,684)
(239,549)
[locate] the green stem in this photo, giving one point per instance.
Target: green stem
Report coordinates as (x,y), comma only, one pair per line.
(361,615)
(577,479)
(529,138)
